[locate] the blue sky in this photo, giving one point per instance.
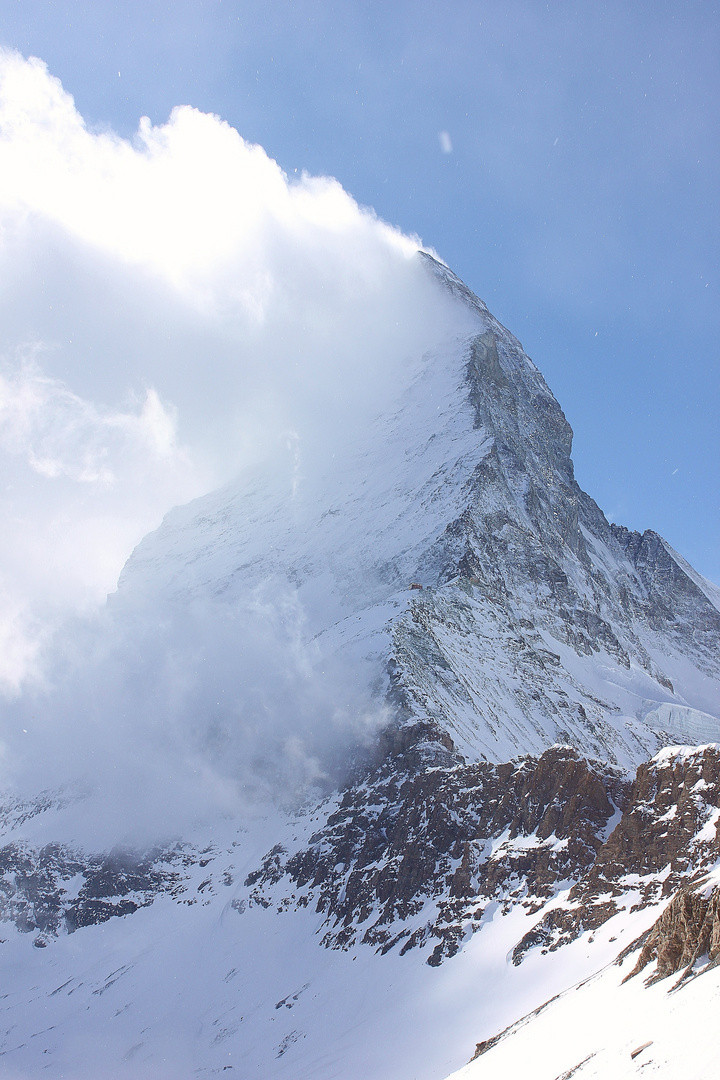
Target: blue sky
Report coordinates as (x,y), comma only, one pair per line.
(578,197)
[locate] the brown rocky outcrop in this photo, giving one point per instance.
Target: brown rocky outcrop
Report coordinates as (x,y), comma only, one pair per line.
(665,840)
(668,808)
(687,932)
(452,838)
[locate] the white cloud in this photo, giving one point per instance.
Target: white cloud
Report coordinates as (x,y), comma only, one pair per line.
(61,435)
(172,310)
(169,307)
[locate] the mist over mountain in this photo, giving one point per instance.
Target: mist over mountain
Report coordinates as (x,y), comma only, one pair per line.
(174,310)
(381,710)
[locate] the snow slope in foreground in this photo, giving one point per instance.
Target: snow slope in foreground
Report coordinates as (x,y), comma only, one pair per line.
(592,1031)
(203,984)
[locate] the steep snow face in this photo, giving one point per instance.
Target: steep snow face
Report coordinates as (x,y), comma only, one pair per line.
(602,1030)
(537,621)
(346,530)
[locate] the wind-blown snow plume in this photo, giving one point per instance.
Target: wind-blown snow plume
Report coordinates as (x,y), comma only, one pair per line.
(174,309)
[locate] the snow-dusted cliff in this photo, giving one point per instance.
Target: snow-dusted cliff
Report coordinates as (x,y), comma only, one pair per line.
(538,622)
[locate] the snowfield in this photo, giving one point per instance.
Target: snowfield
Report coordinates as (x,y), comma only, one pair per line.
(187,989)
(603,1030)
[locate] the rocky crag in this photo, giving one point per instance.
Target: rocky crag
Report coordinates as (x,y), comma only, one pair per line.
(411,857)
(685,938)
(414,858)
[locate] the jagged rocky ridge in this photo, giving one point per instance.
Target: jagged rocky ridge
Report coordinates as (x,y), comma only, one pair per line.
(57,888)
(412,856)
(686,937)
(666,840)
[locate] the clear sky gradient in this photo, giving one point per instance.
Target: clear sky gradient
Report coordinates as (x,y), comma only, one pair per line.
(562,158)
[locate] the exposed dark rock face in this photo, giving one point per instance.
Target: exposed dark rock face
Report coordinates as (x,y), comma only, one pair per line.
(667,837)
(671,801)
(685,938)
(411,854)
(414,855)
(58,889)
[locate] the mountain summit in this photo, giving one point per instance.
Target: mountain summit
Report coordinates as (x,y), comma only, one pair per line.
(538,622)
(450,694)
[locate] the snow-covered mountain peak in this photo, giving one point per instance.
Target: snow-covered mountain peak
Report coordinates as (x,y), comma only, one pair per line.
(418,620)
(537,621)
